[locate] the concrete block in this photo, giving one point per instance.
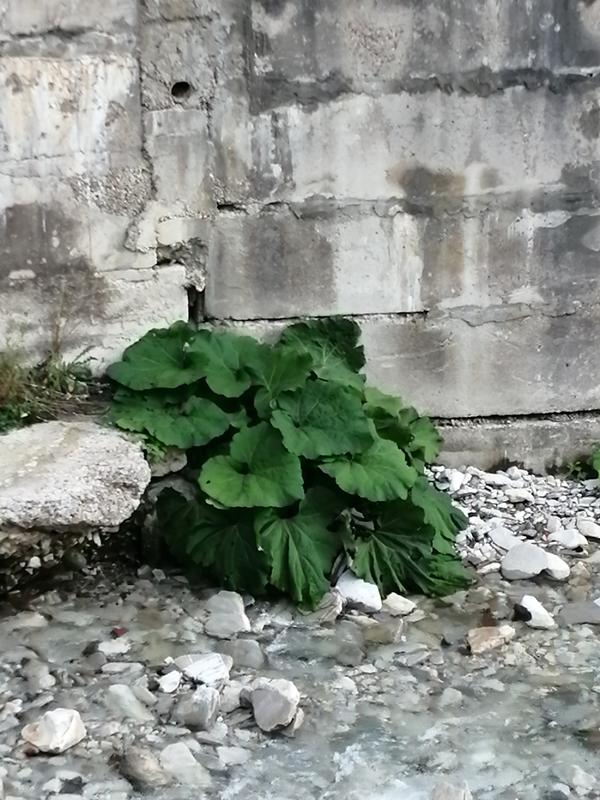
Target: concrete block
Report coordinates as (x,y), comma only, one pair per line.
(479,363)
(315,51)
(177,143)
(540,444)
(428,150)
(487,362)
(59,116)
(283,265)
(90,315)
(37,17)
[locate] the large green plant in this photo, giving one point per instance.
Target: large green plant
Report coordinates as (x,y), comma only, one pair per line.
(297,461)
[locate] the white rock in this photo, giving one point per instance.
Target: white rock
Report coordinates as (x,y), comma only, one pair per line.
(488,638)
(588,528)
(121,700)
(519,495)
(199,710)
(358,593)
(56,731)
(456,478)
(540,618)
(65,476)
(570,539)
(115,647)
(233,756)
(274,703)
(178,761)
(398,606)
(525,560)
(557,568)
(169,682)
(503,538)
(226,615)
(209,668)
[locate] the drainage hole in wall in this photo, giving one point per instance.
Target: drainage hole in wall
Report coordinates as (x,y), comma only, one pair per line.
(180,91)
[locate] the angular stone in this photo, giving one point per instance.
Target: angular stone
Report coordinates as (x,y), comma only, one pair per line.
(177,760)
(226,615)
(447,791)
(56,731)
(488,638)
(359,594)
(503,538)
(535,614)
(169,682)
(329,609)
(274,703)
(199,710)
(209,668)
(121,700)
(398,606)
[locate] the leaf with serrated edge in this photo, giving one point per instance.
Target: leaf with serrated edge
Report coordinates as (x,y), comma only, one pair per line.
(301,548)
(228,358)
(439,512)
(258,472)
(160,359)
(220,541)
(332,343)
(322,419)
(192,424)
(379,473)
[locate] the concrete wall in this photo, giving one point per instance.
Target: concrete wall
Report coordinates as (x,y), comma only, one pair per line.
(429,166)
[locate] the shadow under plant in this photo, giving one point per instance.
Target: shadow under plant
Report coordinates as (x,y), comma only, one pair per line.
(300,469)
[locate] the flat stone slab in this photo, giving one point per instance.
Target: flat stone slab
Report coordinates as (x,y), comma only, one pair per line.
(67,476)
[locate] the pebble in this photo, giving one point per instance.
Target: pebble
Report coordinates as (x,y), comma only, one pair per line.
(359,594)
(170,681)
(141,767)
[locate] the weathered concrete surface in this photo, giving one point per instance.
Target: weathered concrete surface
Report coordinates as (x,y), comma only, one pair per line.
(430,168)
(538,443)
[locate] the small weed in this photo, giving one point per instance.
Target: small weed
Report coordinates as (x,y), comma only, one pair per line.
(47,391)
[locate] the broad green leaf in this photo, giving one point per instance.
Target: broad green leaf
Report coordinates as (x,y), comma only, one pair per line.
(379,473)
(322,419)
(426,441)
(376,401)
(439,512)
(332,343)
(257,472)
(160,359)
(447,573)
(275,371)
(300,548)
(192,424)
(220,541)
(393,554)
(227,358)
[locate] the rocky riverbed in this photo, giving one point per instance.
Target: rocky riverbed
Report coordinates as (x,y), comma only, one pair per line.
(140,685)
